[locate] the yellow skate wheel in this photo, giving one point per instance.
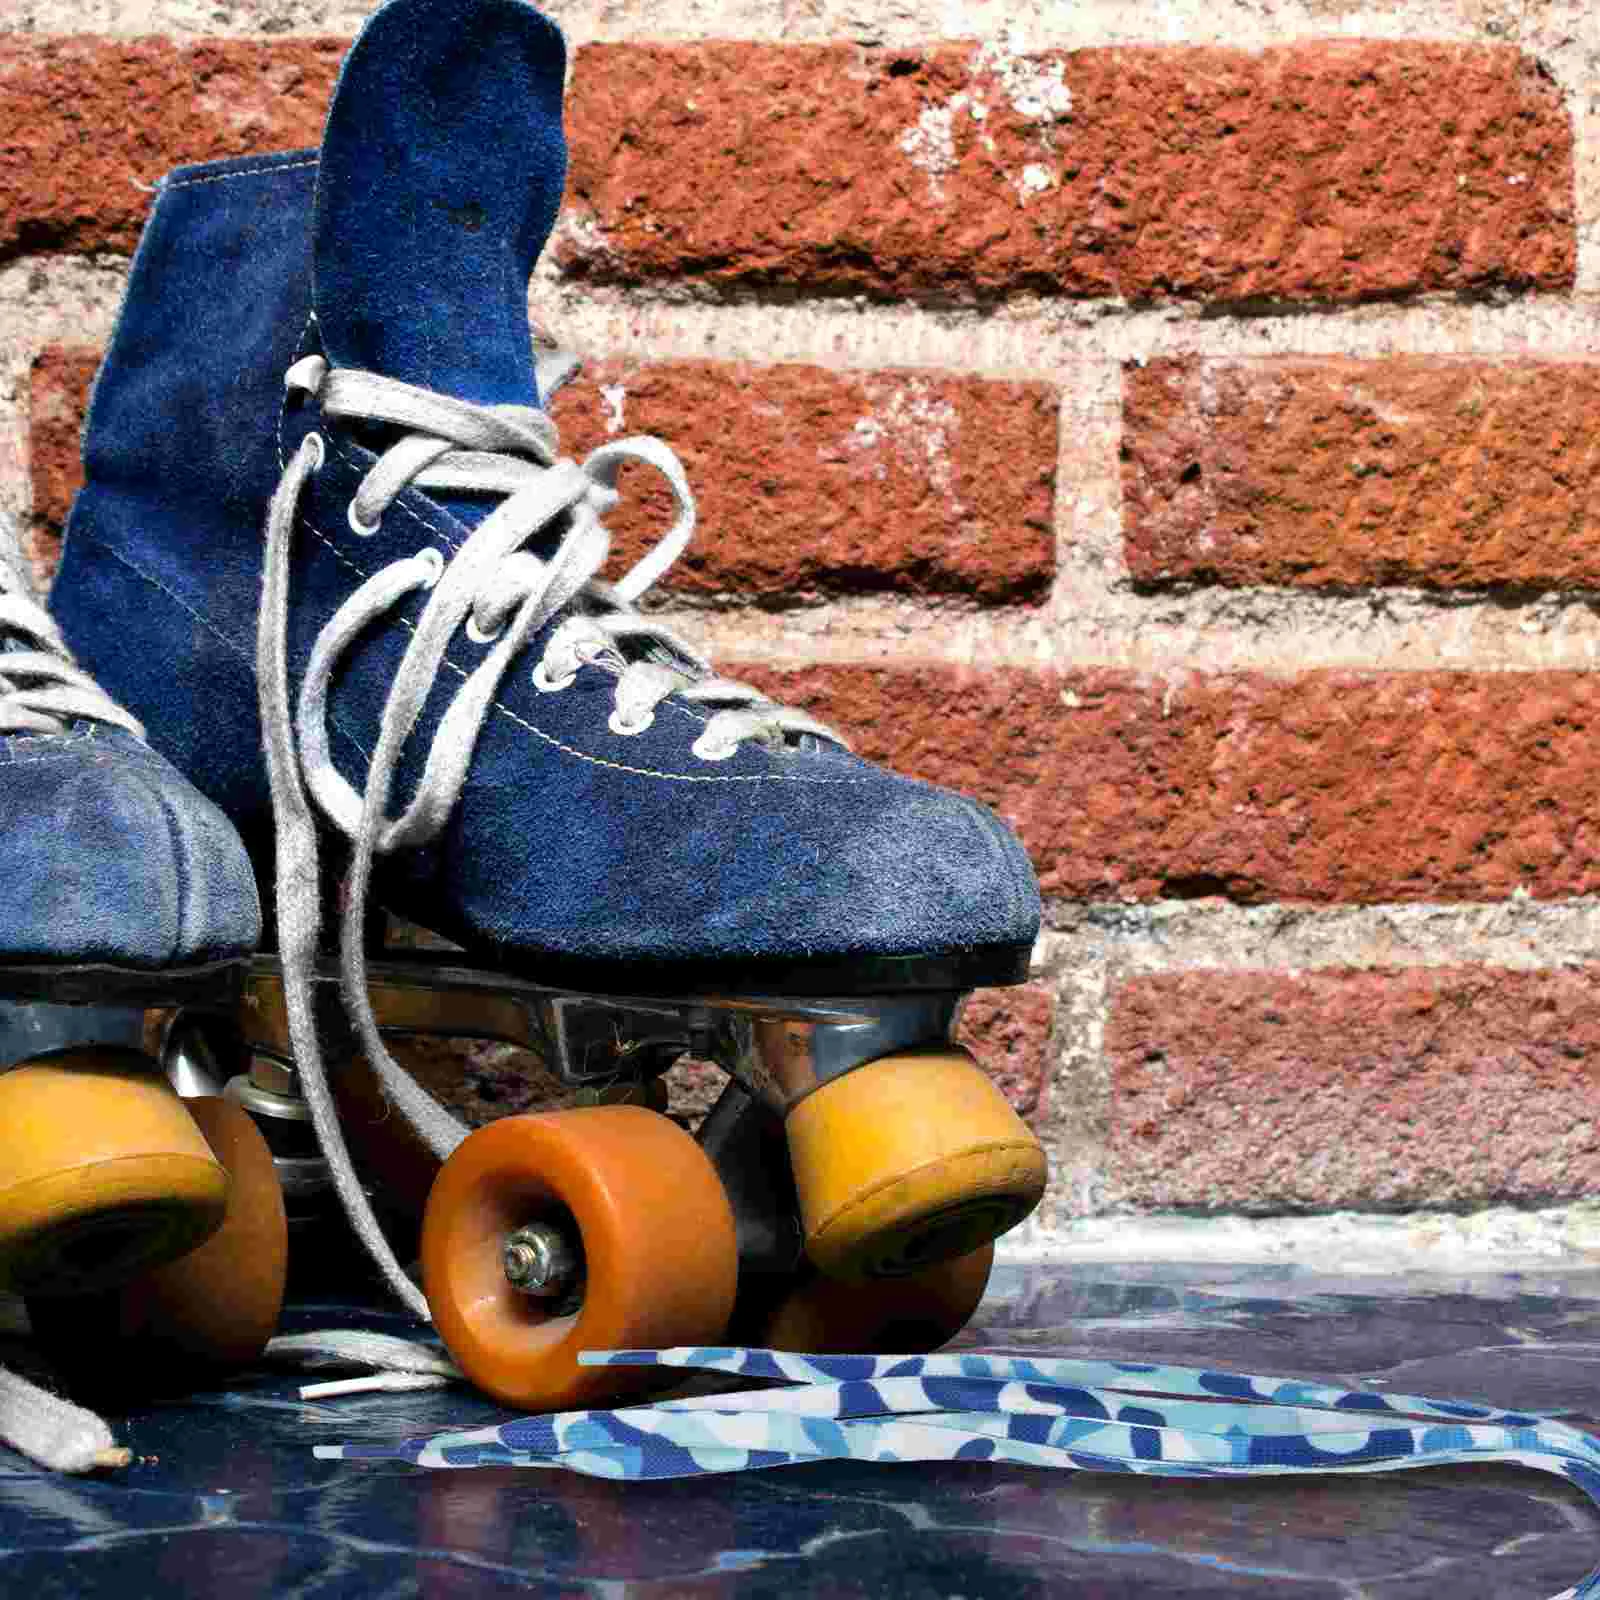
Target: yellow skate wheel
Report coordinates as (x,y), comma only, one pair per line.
(649,1228)
(102,1172)
(910,1160)
(210,1309)
(919,1312)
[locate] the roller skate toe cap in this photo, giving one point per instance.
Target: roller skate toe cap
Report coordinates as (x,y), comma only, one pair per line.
(110,855)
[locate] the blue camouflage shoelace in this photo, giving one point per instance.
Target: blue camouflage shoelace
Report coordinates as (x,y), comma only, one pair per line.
(1094,1416)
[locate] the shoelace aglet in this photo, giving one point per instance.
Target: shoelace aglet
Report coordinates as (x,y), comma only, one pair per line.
(373,1383)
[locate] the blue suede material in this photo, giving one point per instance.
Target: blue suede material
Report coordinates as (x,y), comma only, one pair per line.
(443,164)
(108,855)
(162,567)
(569,839)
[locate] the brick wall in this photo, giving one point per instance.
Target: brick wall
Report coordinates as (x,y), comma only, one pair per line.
(1177,427)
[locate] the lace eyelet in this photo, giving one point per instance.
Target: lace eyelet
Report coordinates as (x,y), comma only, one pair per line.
(628,729)
(703,749)
(357,526)
(435,561)
(480,635)
(545,684)
(318,450)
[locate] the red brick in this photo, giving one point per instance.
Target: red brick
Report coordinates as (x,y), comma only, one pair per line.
(1366,1089)
(1321,787)
(1331,169)
(814,480)
(831,481)
(1328,169)
(85,121)
(1008,1030)
(1432,472)
(58,398)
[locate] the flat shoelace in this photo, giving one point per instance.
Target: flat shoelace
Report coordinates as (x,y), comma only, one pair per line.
(1083,1415)
(501,594)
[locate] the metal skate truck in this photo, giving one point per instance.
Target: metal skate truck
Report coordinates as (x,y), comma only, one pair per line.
(330,553)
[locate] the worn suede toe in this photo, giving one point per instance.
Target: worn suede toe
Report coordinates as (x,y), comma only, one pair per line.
(108,855)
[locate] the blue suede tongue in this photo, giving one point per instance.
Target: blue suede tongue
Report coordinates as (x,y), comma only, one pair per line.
(442,169)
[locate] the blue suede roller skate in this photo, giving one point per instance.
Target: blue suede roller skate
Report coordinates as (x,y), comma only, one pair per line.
(121,889)
(327,518)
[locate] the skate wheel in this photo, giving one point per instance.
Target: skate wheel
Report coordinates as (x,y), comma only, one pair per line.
(909,1315)
(220,1304)
(910,1160)
(216,1306)
(103,1173)
(648,1223)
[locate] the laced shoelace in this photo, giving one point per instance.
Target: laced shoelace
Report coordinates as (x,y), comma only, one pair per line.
(42,689)
(500,593)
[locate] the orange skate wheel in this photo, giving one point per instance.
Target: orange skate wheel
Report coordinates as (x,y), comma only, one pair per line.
(216,1306)
(102,1172)
(642,1206)
(919,1312)
(910,1160)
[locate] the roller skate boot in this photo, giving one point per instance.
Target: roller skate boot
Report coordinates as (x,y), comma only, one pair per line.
(330,552)
(121,890)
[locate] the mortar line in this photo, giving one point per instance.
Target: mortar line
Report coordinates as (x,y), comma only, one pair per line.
(1030,24)
(1127,939)
(1033,338)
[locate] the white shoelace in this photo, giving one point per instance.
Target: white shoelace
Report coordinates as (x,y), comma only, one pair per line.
(501,594)
(396,1365)
(53,1431)
(41,687)
(41,692)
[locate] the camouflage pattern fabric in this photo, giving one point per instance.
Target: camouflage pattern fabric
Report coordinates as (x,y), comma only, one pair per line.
(1095,1416)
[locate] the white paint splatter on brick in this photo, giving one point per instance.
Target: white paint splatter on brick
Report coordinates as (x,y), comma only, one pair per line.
(868,435)
(1035,179)
(1036,91)
(578,229)
(911,422)
(931,145)
(614,396)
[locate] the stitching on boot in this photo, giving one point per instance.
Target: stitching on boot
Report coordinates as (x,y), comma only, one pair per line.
(36,761)
(248,172)
(180,863)
(499,705)
(300,349)
(566,749)
(11,740)
(142,756)
(435,531)
(183,605)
